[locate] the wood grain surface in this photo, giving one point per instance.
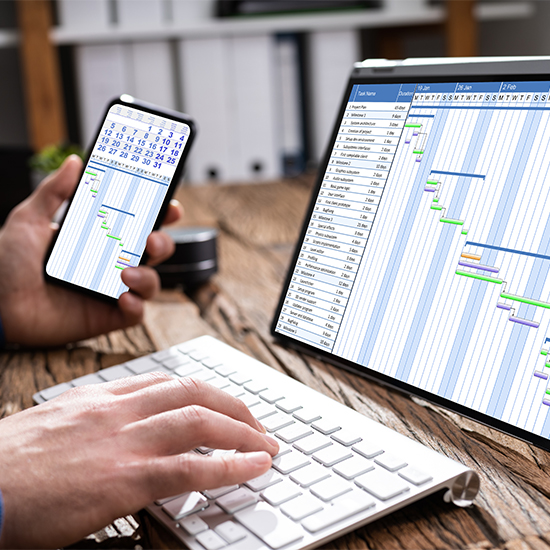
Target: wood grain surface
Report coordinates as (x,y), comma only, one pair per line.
(258,226)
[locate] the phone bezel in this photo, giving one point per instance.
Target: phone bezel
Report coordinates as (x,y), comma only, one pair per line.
(128,101)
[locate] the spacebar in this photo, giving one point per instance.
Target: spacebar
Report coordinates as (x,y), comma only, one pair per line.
(269,525)
(345,507)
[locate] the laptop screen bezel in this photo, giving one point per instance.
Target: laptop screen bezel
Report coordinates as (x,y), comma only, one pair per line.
(496,72)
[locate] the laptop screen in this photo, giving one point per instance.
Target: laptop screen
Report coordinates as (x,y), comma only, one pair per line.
(425,259)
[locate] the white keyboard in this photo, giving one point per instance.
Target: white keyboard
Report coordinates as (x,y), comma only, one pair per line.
(336,469)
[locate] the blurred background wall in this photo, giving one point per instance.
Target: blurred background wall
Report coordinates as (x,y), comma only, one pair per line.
(264,88)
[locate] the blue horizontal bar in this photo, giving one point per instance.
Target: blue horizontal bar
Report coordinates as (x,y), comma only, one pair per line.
(501,249)
(131,253)
(457,174)
(420,116)
(93,167)
(118,210)
(547,340)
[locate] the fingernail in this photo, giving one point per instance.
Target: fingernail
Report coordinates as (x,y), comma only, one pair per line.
(131,276)
(273,442)
(257,458)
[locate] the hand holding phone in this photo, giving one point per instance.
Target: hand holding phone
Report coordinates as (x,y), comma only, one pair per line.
(131,173)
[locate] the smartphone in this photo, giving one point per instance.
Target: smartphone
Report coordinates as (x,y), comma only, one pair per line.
(123,193)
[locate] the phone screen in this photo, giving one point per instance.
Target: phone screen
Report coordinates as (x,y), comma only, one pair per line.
(125,183)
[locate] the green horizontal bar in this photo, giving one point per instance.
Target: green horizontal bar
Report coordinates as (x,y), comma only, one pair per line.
(102,212)
(432,182)
(118,267)
(464,231)
(104,227)
(548,391)
(91,173)
(121,244)
(529,301)
(449,220)
(93,191)
(436,200)
(418,152)
(436,207)
(543,352)
(113,237)
(480,277)
(413,125)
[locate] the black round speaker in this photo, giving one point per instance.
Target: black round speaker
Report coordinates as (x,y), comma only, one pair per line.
(195,258)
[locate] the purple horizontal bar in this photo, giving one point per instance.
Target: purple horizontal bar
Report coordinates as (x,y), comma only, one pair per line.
(546,402)
(540,375)
(504,306)
(123,263)
(100,216)
(482,267)
(415,134)
(524,322)
(429,189)
(407,141)
(419,158)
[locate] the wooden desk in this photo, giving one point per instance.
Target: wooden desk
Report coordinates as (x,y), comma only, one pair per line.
(258,226)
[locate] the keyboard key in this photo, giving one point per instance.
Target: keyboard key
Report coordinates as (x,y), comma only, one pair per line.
(390,462)
(329,456)
(353,467)
(290,462)
(307,416)
(343,508)
(368,449)
(178,361)
(326,426)
(204,450)
(193,525)
(271,396)
(54,391)
(220,491)
(225,370)
(330,488)
(382,484)
(141,365)
(292,433)
(346,437)
(211,540)
(264,481)
(185,505)
(255,386)
(233,391)
(187,370)
(414,476)
(237,500)
(283,449)
(239,378)
(281,492)
(277,421)
(115,373)
(249,399)
(211,363)
(203,374)
(87,380)
(165,354)
(262,410)
(219,382)
(186,347)
(301,507)
(162,501)
(288,405)
(310,474)
(269,525)
(199,355)
(312,443)
(231,531)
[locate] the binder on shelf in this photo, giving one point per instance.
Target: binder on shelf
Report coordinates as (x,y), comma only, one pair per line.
(89,14)
(330,60)
(228,85)
(290,104)
(140,14)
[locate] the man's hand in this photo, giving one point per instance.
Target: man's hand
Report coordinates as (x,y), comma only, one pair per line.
(96,453)
(35,313)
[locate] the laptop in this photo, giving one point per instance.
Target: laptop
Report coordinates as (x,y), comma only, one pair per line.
(423,264)
(424,259)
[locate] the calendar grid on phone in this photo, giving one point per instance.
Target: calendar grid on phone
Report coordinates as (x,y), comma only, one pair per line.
(147,143)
